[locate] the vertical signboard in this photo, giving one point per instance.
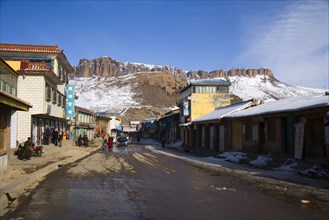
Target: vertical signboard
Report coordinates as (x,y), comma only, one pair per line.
(70,101)
(186,108)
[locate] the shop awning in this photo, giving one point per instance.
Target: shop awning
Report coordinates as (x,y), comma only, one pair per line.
(14,102)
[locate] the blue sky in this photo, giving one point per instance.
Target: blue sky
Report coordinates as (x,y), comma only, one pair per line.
(288,37)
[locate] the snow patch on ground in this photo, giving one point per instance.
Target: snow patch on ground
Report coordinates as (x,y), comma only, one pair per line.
(261,161)
(233,156)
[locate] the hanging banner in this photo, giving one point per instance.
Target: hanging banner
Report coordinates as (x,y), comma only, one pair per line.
(186,108)
(70,112)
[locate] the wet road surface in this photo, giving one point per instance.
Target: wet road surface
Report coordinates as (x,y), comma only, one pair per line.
(135,183)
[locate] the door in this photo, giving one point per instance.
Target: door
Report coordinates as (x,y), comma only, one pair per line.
(221,138)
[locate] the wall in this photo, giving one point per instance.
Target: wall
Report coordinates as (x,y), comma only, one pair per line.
(204,103)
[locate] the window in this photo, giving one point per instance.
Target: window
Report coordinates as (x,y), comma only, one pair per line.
(271,130)
(58,99)
(54,96)
(48,92)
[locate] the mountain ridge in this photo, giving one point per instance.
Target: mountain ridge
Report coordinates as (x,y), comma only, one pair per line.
(137,91)
(108,67)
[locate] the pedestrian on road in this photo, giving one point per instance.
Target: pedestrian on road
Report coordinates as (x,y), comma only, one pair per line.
(55,137)
(110,143)
(163,139)
(48,134)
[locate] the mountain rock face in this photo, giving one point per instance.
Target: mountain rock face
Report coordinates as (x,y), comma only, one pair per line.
(107,67)
(138,91)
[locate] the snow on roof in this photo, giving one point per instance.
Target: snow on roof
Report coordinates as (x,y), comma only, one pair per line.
(206,82)
(285,105)
(221,112)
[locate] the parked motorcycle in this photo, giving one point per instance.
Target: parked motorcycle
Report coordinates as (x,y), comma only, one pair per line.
(36,151)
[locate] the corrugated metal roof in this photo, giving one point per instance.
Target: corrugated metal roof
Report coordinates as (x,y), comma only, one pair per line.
(222,112)
(212,82)
(285,105)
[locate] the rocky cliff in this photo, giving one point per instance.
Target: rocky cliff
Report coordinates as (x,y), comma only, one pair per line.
(107,67)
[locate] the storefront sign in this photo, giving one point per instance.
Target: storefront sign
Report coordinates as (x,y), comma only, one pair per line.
(70,112)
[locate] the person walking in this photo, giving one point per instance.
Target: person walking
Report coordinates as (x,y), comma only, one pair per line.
(110,143)
(55,137)
(48,134)
(163,139)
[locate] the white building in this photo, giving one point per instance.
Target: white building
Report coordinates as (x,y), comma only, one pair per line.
(43,72)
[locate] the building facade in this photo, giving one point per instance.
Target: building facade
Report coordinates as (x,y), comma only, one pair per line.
(197,99)
(9,104)
(84,123)
(43,72)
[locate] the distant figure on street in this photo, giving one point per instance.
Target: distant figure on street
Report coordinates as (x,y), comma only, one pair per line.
(55,137)
(48,134)
(163,139)
(110,143)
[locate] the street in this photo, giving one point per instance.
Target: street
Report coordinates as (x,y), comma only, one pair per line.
(135,183)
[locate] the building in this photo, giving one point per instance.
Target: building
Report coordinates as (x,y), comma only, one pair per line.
(295,127)
(102,123)
(211,132)
(84,123)
(9,104)
(169,125)
(42,76)
(197,99)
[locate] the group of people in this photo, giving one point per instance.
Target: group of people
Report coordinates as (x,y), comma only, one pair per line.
(53,135)
(82,141)
(108,143)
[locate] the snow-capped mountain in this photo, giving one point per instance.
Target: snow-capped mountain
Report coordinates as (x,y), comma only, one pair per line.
(107,85)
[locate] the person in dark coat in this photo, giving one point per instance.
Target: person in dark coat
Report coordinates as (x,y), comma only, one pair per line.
(55,137)
(27,152)
(48,134)
(110,143)
(163,139)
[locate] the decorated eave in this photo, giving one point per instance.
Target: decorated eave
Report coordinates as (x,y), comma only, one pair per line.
(84,110)
(26,51)
(37,69)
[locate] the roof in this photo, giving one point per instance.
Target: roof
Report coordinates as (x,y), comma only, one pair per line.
(222,112)
(80,109)
(207,82)
(213,82)
(30,48)
(20,51)
(285,105)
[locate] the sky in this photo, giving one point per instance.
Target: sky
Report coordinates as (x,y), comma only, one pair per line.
(288,37)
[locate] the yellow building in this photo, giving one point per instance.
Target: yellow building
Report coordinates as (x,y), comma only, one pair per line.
(198,98)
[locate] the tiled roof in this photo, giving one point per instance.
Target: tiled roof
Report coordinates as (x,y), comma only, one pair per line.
(30,48)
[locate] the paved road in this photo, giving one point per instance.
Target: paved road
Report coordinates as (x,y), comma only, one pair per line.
(135,183)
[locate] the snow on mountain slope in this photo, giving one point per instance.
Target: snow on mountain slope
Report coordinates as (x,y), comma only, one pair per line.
(266,88)
(104,94)
(116,94)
